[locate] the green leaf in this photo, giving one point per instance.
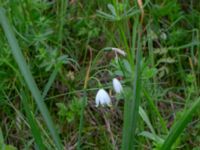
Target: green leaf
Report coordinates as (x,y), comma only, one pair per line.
(146,119)
(105,15)
(112,9)
(149,72)
(152,136)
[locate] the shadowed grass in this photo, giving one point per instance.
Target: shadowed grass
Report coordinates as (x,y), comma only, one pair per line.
(179,126)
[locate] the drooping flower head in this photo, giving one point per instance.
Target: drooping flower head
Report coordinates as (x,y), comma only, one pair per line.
(117,85)
(102,98)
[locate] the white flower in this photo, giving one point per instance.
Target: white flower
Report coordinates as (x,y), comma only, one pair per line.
(102,98)
(117,85)
(119,51)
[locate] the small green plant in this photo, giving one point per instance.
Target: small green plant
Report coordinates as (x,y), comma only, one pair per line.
(50,59)
(71,111)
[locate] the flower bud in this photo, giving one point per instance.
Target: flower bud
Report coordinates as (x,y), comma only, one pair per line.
(117,86)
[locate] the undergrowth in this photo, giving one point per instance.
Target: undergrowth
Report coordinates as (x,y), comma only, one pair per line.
(56,55)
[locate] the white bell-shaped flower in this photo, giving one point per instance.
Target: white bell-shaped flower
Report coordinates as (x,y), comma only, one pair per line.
(102,98)
(117,86)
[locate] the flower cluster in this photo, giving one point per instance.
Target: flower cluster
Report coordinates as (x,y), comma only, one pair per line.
(103,98)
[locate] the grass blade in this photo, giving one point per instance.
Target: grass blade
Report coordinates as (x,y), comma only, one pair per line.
(84,102)
(50,82)
(145,118)
(19,58)
(32,122)
(131,109)
(179,126)
(155,109)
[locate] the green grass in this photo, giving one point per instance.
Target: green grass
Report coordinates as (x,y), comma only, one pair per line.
(29,80)
(55,55)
